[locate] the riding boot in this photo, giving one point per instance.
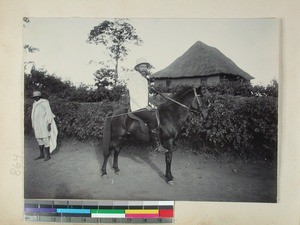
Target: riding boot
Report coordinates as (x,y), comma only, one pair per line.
(47,153)
(41,152)
(156,141)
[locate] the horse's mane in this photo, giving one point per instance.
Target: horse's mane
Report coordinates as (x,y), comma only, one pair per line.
(178,95)
(182,91)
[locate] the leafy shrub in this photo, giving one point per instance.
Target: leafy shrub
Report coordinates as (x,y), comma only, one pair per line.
(48,84)
(245,126)
(89,120)
(83,121)
(27,116)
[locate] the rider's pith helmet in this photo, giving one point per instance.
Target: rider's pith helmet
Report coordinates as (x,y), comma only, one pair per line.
(140,61)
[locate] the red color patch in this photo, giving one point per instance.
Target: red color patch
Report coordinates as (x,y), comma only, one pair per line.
(166,213)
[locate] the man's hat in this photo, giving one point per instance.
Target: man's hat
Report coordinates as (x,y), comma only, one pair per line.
(36,94)
(141,61)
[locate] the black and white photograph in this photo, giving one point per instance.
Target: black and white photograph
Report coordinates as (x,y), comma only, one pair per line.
(151,109)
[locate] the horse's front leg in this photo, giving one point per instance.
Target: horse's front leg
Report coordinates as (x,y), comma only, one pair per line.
(168,159)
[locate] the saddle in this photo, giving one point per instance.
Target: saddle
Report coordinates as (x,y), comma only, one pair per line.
(143,125)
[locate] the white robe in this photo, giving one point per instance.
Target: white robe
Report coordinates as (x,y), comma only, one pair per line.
(138,91)
(41,116)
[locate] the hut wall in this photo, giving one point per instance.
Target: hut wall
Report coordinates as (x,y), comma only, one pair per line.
(212,80)
(195,81)
(192,81)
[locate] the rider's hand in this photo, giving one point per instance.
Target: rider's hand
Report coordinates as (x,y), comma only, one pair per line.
(149,108)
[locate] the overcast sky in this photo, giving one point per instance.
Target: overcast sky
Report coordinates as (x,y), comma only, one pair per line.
(253,44)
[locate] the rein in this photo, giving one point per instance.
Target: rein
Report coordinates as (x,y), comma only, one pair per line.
(178,103)
(172,100)
(123,114)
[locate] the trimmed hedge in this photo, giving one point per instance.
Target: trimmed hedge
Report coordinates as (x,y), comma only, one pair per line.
(245,126)
(83,121)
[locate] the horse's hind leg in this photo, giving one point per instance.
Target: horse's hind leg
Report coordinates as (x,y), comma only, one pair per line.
(115,165)
(117,149)
(106,156)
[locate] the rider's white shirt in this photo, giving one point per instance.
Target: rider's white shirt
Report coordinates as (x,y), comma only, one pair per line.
(138,91)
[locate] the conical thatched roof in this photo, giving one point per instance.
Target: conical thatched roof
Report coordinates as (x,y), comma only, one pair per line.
(201,60)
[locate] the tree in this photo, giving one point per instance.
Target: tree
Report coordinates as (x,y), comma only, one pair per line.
(107,86)
(29,48)
(115,36)
(104,77)
(49,85)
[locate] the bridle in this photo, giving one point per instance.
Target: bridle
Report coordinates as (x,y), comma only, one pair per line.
(178,103)
(197,98)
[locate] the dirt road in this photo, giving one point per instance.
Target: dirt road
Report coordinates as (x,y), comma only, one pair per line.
(74,172)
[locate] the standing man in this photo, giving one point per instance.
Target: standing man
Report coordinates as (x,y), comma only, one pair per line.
(139,101)
(44,126)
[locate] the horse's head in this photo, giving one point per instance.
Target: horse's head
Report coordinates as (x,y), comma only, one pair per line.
(200,105)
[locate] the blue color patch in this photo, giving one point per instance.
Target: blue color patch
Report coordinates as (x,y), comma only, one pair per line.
(73,211)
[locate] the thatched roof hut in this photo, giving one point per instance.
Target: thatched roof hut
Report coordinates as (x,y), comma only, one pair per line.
(201,60)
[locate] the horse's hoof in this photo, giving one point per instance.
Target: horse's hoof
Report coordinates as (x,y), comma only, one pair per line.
(170,182)
(117,172)
(104,176)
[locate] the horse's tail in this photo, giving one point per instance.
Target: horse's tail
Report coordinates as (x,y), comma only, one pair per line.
(106,134)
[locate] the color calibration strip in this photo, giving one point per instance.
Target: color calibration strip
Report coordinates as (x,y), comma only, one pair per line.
(99,211)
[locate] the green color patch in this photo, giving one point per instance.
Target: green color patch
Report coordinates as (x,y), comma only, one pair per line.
(114,211)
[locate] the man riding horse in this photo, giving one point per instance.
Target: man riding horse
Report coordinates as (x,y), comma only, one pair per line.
(138,86)
(172,115)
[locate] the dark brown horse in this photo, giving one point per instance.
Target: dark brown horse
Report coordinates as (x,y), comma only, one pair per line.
(172,115)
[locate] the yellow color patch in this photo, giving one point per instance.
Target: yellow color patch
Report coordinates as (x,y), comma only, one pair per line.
(141,211)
